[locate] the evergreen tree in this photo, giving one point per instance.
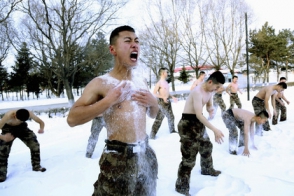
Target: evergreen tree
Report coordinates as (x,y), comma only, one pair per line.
(184,76)
(3,79)
(263,44)
(20,71)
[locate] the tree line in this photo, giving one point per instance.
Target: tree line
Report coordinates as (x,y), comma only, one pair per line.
(61,45)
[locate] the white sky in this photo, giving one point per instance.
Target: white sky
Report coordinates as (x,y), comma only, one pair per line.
(278,13)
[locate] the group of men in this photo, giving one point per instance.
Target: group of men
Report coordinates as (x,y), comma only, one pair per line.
(120,101)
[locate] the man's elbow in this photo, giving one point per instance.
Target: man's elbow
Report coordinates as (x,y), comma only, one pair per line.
(71,122)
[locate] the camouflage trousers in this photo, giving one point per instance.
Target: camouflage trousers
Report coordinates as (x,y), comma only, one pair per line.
(194,139)
(218,101)
(235,99)
(258,106)
(127,170)
(283,116)
(165,109)
(232,124)
(27,136)
(97,125)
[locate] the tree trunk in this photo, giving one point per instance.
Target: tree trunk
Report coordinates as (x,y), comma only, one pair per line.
(69,93)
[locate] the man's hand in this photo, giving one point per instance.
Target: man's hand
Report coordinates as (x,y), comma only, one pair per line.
(144,98)
(7,137)
(175,99)
(119,93)
(246,152)
(211,113)
(218,136)
(41,131)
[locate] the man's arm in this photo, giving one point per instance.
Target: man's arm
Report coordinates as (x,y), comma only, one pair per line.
(197,101)
(266,105)
(246,137)
(284,98)
(37,120)
(228,89)
(273,100)
(89,105)
(156,89)
(209,108)
(195,83)
(7,137)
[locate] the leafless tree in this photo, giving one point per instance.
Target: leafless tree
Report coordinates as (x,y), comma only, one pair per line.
(6,8)
(162,34)
(193,37)
(58,29)
(226,32)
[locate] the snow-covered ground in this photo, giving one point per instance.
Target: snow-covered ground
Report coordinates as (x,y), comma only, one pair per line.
(268,171)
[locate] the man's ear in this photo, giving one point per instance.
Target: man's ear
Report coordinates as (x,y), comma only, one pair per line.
(112,50)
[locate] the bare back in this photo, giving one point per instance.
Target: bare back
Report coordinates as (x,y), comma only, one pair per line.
(266,91)
(196,94)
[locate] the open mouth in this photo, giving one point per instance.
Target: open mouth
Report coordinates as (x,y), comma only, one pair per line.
(134,56)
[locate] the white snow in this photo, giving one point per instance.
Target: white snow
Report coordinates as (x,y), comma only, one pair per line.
(268,171)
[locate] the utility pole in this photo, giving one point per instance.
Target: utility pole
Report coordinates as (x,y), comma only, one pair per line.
(247,59)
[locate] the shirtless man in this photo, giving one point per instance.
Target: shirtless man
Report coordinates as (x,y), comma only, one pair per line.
(232,90)
(280,105)
(245,121)
(124,100)
(161,91)
(260,103)
(199,80)
(13,126)
(193,134)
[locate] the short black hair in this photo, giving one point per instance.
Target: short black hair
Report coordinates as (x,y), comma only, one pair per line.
(217,77)
(161,70)
(282,78)
(115,33)
(235,76)
(263,114)
(283,85)
(22,114)
(202,72)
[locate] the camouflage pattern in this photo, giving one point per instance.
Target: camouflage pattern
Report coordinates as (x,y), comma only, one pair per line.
(218,101)
(235,99)
(165,109)
(28,137)
(283,109)
(194,139)
(232,124)
(258,106)
(97,125)
(127,169)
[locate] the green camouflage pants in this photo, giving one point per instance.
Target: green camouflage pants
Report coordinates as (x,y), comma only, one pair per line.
(258,106)
(194,139)
(27,136)
(235,99)
(283,116)
(127,170)
(97,125)
(218,101)
(232,124)
(165,109)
